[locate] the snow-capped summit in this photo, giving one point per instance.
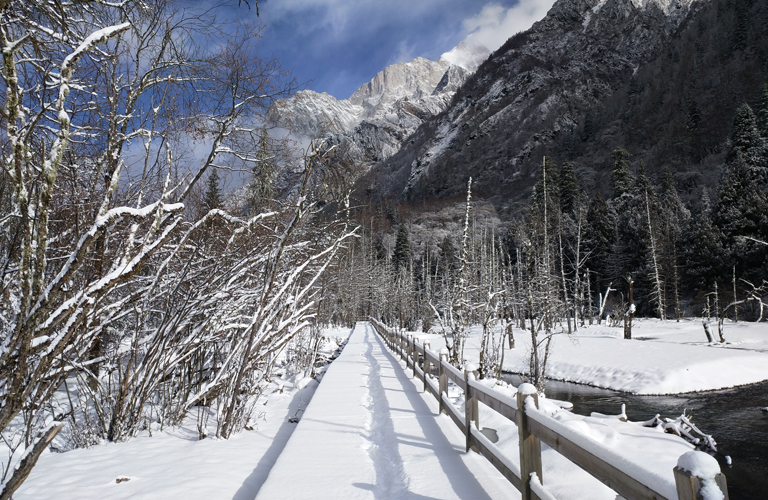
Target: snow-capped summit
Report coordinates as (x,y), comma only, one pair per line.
(466,55)
(309,113)
(411,80)
(383,112)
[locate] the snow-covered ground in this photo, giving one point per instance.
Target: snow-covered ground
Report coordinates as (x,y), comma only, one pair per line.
(664,357)
(377,435)
(371,432)
(174,464)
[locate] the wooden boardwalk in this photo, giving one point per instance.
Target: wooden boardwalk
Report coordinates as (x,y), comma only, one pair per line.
(370,432)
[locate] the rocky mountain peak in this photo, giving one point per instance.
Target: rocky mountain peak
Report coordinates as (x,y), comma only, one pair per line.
(411,80)
(373,123)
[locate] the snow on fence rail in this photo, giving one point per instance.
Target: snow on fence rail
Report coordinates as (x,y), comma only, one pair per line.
(701,480)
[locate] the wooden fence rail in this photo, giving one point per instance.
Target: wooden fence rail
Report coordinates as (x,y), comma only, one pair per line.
(534,427)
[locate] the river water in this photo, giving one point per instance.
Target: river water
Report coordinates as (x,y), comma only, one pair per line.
(733,417)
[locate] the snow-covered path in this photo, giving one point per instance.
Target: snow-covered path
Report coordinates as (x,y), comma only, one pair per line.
(370,433)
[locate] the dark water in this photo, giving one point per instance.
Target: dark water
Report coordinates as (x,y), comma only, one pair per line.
(733,417)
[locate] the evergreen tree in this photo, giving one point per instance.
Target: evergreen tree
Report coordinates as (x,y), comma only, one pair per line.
(569,188)
(741,211)
(622,180)
(746,140)
(762,112)
(702,252)
(741,27)
(630,244)
(212,199)
(694,118)
(599,237)
(401,258)
(448,254)
(261,188)
(674,217)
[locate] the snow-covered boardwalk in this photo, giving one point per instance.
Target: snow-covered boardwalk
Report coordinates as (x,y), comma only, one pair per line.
(370,433)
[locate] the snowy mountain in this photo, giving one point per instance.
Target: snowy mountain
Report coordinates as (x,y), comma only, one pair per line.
(375,120)
(593,75)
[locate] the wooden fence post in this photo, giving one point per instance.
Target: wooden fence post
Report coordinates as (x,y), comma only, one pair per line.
(406,349)
(415,354)
(530,446)
(471,409)
(426,366)
(442,383)
(409,349)
(689,486)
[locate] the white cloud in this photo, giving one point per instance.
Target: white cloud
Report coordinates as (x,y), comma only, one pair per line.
(405,53)
(495,24)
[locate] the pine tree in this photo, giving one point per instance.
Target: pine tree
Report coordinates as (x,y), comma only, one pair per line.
(622,179)
(762,112)
(694,118)
(401,258)
(570,195)
(261,189)
(448,253)
(746,140)
(212,199)
(599,236)
(674,217)
(702,252)
(741,27)
(741,211)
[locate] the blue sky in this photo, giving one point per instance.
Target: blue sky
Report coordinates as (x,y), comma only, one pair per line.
(335,46)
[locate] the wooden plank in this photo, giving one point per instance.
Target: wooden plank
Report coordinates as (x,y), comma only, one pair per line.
(488,398)
(494,455)
(454,375)
(622,483)
(538,492)
(433,389)
(434,359)
(452,412)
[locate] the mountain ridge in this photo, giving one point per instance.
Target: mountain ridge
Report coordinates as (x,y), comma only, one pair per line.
(589,77)
(374,121)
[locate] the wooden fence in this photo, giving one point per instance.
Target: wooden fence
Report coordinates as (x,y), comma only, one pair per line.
(534,427)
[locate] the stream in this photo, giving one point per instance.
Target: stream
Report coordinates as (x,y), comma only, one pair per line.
(732,416)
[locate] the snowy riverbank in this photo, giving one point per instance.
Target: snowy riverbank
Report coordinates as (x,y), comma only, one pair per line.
(666,357)
(175,464)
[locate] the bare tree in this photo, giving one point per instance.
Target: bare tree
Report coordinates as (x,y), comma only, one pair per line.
(106,281)
(454,317)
